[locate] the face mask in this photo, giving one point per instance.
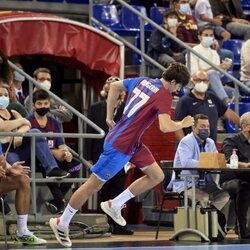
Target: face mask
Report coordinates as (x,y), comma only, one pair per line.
(172,22)
(184,8)
(18,77)
(46,84)
(42,111)
(201,87)
(207,41)
(4,102)
(204,133)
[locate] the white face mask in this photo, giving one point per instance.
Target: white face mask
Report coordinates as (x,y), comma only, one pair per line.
(185,8)
(4,102)
(207,41)
(172,22)
(201,87)
(46,84)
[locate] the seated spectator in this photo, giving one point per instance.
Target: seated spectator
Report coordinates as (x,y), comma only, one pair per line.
(204,17)
(162,48)
(43,122)
(201,101)
(240,181)
(43,76)
(15,178)
(245,64)
(207,191)
(230,13)
(206,37)
(20,146)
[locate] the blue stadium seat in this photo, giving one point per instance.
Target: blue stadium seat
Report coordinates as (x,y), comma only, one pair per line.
(131,22)
(107,15)
(156,14)
(245,4)
(243,108)
(235,46)
(137,44)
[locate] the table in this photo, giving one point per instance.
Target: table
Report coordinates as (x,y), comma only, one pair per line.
(189,232)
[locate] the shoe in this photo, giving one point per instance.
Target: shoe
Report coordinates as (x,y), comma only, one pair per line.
(119,230)
(31,240)
(57,173)
(62,235)
(115,214)
(51,207)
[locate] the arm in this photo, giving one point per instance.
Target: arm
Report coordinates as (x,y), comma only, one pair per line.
(115,89)
(168,125)
(61,112)
(7,126)
(179,134)
(232,116)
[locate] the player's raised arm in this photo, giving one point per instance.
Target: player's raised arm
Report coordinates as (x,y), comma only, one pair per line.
(116,88)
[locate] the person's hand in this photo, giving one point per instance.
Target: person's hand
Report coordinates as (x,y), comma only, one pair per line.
(245,164)
(2,172)
(18,169)
(217,21)
(240,20)
(17,142)
(187,121)
(110,123)
(67,156)
(225,65)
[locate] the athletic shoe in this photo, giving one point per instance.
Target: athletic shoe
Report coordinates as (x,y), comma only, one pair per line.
(57,173)
(31,240)
(115,214)
(62,235)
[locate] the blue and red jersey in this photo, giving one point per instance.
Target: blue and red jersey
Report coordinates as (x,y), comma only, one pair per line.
(52,126)
(147,98)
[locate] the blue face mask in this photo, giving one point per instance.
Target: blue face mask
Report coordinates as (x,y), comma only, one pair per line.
(204,133)
(4,102)
(207,41)
(184,8)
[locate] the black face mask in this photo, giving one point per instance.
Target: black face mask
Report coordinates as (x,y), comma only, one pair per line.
(42,111)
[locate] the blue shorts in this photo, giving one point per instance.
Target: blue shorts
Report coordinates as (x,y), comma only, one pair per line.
(110,162)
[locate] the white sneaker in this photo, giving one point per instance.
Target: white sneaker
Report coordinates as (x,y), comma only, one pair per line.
(115,214)
(62,235)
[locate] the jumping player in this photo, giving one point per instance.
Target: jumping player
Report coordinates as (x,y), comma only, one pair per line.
(147,100)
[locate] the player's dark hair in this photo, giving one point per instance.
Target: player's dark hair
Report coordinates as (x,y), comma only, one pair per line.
(178,72)
(199,117)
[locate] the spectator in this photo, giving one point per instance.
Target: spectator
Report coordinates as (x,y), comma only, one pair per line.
(162,48)
(19,146)
(239,183)
(94,148)
(187,154)
(43,76)
(15,178)
(204,17)
(206,37)
(45,123)
(245,63)
(230,13)
(187,30)
(201,101)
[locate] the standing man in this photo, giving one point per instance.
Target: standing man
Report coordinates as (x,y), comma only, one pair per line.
(147,100)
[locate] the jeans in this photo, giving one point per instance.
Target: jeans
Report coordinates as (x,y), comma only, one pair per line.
(43,153)
(239,29)
(216,85)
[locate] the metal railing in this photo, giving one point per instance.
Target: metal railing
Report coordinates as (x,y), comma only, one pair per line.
(80,135)
(144,19)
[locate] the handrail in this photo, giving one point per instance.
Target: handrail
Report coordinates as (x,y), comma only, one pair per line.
(183,44)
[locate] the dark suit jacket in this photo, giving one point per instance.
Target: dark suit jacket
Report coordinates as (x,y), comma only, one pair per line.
(97,114)
(219,7)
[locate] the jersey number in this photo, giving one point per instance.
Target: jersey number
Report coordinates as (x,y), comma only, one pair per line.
(143,99)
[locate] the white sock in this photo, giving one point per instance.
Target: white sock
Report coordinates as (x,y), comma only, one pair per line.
(67,216)
(122,198)
(22,224)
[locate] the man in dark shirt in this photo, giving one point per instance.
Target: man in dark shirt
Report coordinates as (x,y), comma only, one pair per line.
(232,17)
(201,101)
(240,182)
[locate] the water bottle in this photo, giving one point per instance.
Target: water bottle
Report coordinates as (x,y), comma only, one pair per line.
(234,159)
